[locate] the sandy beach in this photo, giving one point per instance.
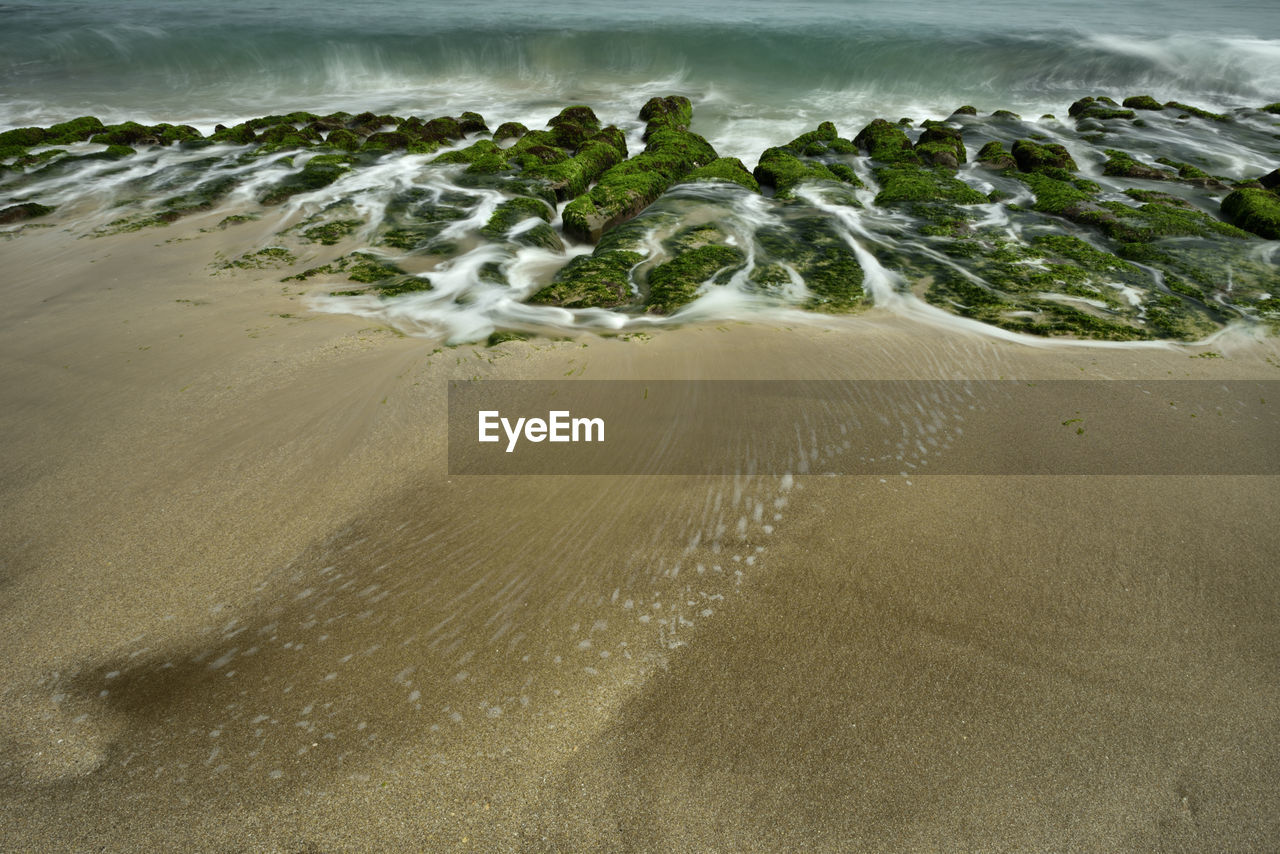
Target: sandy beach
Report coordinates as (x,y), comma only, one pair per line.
(246,608)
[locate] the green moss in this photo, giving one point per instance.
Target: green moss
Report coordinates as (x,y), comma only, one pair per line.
(601,280)
(514,211)
(1121,163)
(343,140)
(819,255)
(1088,257)
(24,211)
(885,142)
(674,112)
(676,282)
(570,177)
(126,133)
(1156,196)
(1196,111)
(330,233)
(1054,196)
(240,134)
(509,130)
(940,145)
(1035,157)
(504,336)
(1097,108)
(632,185)
(1142,102)
(994,155)
(916,184)
(320,171)
(76,130)
(272,256)
(1254,210)
(482,157)
(117,152)
(724,169)
(1154,220)
(169,134)
(470,122)
(782,170)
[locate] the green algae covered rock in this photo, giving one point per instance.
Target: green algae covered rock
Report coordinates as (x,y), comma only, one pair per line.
(994,155)
(676,282)
(632,185)
(940,145)
(1036,157)
(819,255)
(1142,102)
(512,212)
(1122,163)
(320,171)
(885,142)
(1254,210)
(26,210)
(599,280)
(509,130)
(1098,108)
(728,169)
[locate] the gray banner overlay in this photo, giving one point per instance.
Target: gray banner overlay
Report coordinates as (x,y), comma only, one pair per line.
(864,427)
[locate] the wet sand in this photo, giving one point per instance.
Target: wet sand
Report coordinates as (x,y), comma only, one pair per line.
(246,608)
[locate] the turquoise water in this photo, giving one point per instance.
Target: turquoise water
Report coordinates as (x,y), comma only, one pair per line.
(757,71)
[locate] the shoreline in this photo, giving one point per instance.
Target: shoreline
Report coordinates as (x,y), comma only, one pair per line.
(187,482)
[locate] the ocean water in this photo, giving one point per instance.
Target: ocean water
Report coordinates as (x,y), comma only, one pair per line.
(758,74)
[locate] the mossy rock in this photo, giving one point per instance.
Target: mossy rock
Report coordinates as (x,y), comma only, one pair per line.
(1142,102)
(240,134)
(994,155)
(1254,210)
(320,171)
(76,130)
(471,122)
(940,145)
(1036,157)
(674,112)
(966,110)
(1122,164)
(1196,111)
(886,142)
(509,130)
(482,157)
(675,283)
(330,233)
(126,133)
(599,280)
(632,185)
(906,183)
(512,212)
(1098,108)
(569,178)
(343,140)
(22,137)
(1005,114)
(729,169)
(24,211)
(782,170)
(818,253)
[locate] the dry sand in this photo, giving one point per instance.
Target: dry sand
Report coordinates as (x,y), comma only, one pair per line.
(246,608)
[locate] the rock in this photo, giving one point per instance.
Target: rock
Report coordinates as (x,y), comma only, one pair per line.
(26,210)
(1142,102)
(993,155)
(509,130)
(885,142)
(1122,164)
(1034,157)
(1254,210)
